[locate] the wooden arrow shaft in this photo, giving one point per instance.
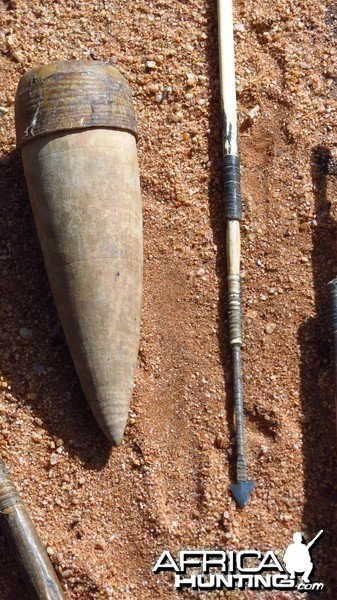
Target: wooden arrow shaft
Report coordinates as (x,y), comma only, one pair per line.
(227,75)
(233,213)
(32,558)
(235,337)
(333,302)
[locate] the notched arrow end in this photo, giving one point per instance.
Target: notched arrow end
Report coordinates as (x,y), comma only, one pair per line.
(241,492)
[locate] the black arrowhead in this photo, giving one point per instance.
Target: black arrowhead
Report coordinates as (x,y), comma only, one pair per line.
(241,492)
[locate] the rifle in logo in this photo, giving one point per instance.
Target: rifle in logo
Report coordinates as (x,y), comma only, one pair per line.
(297,557)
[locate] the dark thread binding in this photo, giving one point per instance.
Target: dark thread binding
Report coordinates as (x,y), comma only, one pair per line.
(8,494)
(231,187)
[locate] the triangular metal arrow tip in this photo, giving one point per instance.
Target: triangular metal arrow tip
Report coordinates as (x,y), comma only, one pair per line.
(241,492)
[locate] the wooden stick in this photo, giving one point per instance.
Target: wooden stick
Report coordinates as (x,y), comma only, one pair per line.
(333,301)
(233,210)
(36,569)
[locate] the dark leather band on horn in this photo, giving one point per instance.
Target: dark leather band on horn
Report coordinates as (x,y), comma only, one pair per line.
(73,94)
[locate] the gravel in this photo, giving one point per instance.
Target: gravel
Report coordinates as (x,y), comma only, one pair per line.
(177,459)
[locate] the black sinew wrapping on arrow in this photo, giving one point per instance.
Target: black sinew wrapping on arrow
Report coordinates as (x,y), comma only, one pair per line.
(231,187)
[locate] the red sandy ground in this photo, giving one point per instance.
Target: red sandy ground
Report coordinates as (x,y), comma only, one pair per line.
(107,514)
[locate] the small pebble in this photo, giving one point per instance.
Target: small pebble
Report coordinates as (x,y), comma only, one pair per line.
(220,441)
(66,574)
(270,328)
(54,459)
(154,88)
(100,544)
(239,27)
(285,517)
(226,520)
(177,117)
(40,370)
(25,333)
(305,419)
(17,56)
(290,501)
(251,314)
(254,111)
(190,79)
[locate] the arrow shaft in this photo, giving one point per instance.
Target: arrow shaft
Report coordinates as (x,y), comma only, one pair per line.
(333,300)
(227,75)
(33,560)
(233,212)
(238,403)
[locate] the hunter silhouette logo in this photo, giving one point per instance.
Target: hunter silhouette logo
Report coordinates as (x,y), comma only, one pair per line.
(207,570)
(297,557)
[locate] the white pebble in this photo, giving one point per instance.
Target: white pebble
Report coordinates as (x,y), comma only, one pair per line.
(190,79)
(54,459)
(25,333)
(239,27)
(254,111)
(178,116)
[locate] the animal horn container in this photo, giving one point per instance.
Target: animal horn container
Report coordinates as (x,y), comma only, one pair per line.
(76,130)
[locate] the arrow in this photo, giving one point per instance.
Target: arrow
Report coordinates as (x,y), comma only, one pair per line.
(241,492)
(36,569)
(333,301)
(231,173)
